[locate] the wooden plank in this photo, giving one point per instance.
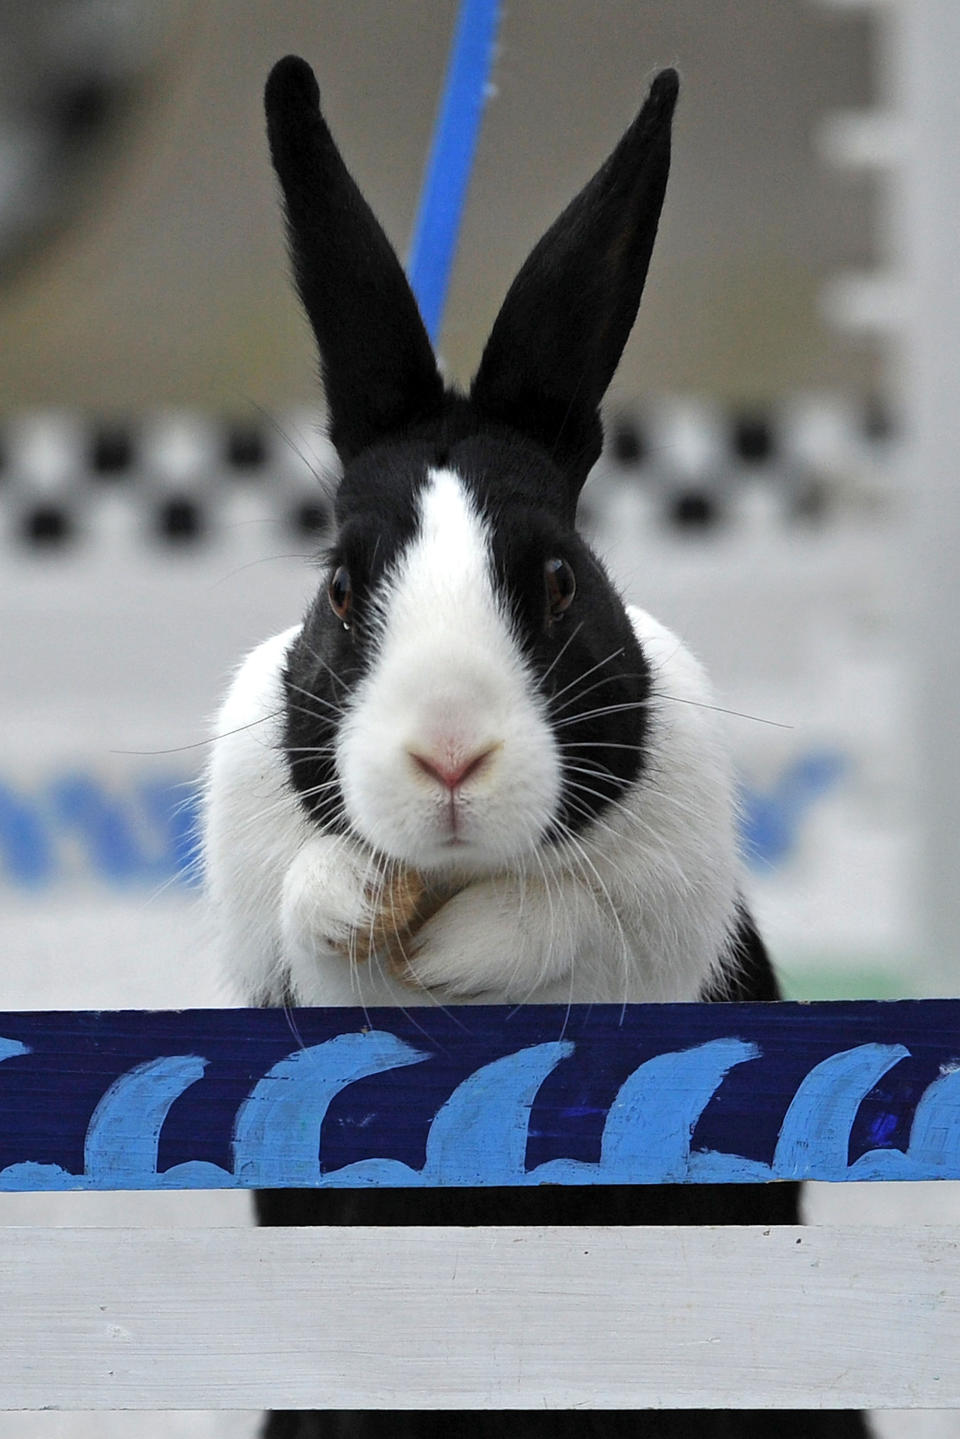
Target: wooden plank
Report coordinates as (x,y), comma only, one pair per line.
(480,1095)
(480,1318)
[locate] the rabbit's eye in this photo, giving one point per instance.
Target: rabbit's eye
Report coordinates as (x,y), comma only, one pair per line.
(561,586)
(340,593)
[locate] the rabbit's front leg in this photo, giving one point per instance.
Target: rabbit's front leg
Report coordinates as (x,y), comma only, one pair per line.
(326,915)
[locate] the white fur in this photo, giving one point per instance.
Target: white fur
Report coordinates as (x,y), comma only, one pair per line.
(253,829)
(640,906)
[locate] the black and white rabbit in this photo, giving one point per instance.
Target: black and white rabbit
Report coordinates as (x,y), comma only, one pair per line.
(471,774)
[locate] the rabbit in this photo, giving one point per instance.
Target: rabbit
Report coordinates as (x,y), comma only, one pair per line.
(472,774)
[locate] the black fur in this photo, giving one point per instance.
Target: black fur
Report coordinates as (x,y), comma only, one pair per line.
(378,376)
(562,328)
(560,332)
(680,1424)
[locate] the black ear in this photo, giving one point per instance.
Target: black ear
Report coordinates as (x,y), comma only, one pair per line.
(562,328)
(378,367)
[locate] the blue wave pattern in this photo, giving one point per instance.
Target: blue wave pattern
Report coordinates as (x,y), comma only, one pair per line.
(78,825)
(144,831)
(479,1135)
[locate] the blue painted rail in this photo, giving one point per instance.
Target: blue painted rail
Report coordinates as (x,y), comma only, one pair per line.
(480,1095)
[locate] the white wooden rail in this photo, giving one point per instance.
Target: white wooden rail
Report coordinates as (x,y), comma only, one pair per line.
(480,1318)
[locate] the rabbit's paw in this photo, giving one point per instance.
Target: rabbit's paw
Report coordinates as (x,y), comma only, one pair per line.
(491,936)
(326,906)
(339,899)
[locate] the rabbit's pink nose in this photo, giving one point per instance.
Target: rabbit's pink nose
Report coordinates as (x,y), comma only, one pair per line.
(451,770)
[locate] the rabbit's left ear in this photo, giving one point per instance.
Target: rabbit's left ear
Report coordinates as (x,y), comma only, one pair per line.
(378,366)
(566,318)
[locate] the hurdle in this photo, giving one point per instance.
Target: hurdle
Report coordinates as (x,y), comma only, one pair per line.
(480,1317)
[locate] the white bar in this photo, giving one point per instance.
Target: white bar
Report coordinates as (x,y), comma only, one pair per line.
(869,139)
(872,302)
(480,1318)
(930,195)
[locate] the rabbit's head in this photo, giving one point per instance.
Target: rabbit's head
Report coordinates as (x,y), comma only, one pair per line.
(467,689)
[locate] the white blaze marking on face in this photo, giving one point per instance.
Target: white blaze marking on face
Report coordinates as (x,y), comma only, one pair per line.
(444,630)
(445,573)
(449,682)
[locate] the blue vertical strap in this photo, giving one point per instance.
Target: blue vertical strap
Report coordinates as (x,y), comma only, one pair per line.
(451,157)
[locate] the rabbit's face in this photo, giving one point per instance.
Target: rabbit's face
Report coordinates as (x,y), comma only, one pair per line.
(445,757)
(468,687)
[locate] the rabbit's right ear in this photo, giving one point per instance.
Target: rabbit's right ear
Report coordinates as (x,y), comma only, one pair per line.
(378,367)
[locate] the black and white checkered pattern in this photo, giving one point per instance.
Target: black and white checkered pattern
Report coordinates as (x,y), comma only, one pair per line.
(176,480)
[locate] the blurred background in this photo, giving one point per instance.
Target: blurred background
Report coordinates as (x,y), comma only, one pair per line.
(777,486)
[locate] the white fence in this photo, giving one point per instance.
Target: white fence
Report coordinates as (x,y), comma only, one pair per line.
(453,1318)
